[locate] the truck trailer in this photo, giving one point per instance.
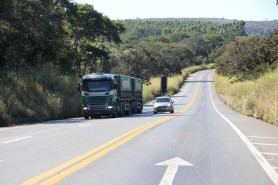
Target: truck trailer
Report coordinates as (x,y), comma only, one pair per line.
(113,95)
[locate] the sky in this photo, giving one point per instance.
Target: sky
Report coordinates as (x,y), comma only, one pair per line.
(247,10)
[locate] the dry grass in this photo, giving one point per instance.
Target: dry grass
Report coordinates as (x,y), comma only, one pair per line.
(174,83)
(43,95)
(257,98)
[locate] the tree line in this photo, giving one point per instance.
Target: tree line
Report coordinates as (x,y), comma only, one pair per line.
(164,47)
(60,32)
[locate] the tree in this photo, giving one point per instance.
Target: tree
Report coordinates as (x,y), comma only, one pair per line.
(248,57)
(136,62)
(31,32)
(90,30)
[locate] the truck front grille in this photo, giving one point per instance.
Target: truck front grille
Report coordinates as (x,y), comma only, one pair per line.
(97,107)
(97,103)
(97,100)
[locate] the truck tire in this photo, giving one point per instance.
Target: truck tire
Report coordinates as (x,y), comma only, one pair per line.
(115,114)
(140,110)
(122,110)
(130,109)
(86,117)
(135,108)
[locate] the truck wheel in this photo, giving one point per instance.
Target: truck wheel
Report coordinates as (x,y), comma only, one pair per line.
(86,117)
(122,110)
(140,110)
(135,108)
(115,114)
(130,109)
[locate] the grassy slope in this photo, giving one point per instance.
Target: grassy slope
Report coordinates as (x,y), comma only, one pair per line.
(257,98)
(43,95)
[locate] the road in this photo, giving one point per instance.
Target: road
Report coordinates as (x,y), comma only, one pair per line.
(202,143)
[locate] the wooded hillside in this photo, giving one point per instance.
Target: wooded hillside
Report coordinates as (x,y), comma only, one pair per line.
(45,46)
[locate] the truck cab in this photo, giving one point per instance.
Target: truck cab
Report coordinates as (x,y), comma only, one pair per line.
(99,95)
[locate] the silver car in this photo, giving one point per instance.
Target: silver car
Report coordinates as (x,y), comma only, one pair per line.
(163,104)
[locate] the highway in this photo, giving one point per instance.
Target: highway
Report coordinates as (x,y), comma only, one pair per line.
(202,143)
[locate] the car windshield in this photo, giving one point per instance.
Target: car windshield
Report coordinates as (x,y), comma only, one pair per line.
(163,100)
(96,86)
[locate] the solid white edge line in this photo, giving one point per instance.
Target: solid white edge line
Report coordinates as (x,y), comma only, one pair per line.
(266,153)
(266,144)
(18,139)
(260,137)
(260,158)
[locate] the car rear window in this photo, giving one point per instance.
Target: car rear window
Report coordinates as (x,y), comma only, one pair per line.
(163,100)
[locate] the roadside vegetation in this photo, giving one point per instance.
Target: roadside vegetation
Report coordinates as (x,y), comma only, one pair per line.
(247,76)
(44,95)
(257,98)
(46,46)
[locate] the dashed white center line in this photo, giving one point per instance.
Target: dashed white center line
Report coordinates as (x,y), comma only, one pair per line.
(265,144)
(18,139)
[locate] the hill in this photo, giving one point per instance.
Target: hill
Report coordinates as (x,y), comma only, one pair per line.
(251,27)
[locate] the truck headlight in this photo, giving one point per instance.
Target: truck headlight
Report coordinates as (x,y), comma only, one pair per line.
(110,107)
(85,108)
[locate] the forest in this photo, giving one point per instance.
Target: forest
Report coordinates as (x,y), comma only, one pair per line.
(46,46)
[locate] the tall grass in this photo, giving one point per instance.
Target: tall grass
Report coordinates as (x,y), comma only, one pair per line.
(37,95)
(257,98)
(174,83)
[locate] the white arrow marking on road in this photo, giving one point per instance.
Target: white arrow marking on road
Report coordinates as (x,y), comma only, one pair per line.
(172,169)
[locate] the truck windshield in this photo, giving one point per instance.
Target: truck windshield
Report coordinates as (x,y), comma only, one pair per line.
(96,86)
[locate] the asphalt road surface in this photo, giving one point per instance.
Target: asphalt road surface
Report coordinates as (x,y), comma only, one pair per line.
(202,143)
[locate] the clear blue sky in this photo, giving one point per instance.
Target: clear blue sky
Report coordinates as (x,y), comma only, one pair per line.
(230,9)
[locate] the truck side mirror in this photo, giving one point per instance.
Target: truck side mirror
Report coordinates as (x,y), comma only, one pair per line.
(78,87)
